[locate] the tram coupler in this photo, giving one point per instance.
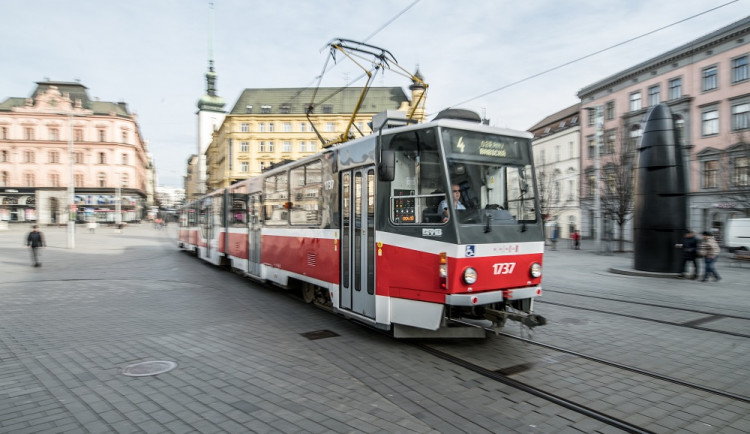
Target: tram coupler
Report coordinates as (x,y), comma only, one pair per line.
(499,317)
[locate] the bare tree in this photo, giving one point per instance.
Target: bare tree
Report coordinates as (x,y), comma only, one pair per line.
(549,192)
(736,176)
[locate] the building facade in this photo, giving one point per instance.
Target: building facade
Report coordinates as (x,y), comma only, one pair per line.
(268,126)
(59,137)
(556,146)
(706,84)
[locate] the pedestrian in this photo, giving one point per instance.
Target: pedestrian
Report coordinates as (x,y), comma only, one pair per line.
(577,239)
(689,248)
(710,251)
(34,241)
(92,226)
(555,234)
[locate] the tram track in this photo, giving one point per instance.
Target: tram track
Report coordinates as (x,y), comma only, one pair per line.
(695,325)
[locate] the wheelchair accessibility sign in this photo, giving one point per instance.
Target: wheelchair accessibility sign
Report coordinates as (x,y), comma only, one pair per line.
(470,252)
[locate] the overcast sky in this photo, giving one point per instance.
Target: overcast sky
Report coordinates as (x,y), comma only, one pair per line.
(153,54)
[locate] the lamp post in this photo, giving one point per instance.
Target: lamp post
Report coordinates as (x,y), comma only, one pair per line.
(599,120)
(118,200)
(71,187)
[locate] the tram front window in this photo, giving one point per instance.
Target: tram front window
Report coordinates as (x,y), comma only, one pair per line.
(491,195)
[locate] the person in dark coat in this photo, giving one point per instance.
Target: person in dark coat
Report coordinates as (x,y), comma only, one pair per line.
(689,253)
(34,241)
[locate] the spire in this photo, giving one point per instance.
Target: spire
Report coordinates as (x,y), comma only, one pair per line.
(211,101)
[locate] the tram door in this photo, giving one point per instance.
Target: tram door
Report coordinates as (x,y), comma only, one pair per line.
(358,241)
(253,257)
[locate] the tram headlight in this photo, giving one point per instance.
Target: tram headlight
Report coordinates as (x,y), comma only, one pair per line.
(535,270)
(443,270)
(470,276)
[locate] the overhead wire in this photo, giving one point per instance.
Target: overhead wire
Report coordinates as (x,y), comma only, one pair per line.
(591,54)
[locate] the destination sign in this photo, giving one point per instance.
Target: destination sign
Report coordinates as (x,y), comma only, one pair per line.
(486,145)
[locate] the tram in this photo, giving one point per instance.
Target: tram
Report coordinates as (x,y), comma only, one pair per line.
(417,229)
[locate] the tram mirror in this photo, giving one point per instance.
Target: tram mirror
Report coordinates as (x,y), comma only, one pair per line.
(387,166)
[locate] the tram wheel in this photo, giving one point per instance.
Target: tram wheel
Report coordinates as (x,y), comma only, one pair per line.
(308,292)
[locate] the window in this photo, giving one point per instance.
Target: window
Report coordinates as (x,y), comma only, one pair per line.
(302,127)
(4,133)
(262,127)
(286,127)
(270,146)
(28,133)
(78,180)
(610,110)
(244,127)
(53,157)
(271,127)
(609,143)
(102,158)
(634,136)
(28,180)
(124,180)
(740,116)
(244,146)
(285,108)
(124,137)
(710,174)
(54,180)
(262,166)
(330,127)
(654,95)
(286,146)
(78,135)
(244,167)
(262,147)
(741,171)
(102,135)
(101,178)
(4,157)
(78,157)
(327,108)
(710,122)
(675,89)
(28,157)
(710,78)
(310,146)
(557,153)
(54,134)
(4,179)
(275,199)
(125,159)
(306,188)
(591,143)
(302,147)
(265,109)
(740,69)
(635,101)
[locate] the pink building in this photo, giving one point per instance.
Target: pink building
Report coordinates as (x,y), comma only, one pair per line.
(58,136)
(706,84)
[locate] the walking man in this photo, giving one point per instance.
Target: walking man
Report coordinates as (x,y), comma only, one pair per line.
(710,249)
(34,241)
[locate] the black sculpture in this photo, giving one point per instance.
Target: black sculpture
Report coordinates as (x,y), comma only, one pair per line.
(660,215)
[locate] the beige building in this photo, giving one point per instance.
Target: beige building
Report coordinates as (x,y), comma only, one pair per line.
(706,83)
(556,146)
(58,137)
(268,126)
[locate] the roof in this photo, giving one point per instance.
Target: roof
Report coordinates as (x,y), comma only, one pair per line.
(552,123)
(77,91)
(337,100)
(732,30)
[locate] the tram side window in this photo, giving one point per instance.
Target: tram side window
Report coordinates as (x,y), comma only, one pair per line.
(275,190)
(306,187)
(238,212)
(417,188)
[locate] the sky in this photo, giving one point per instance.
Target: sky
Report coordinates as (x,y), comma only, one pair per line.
(153,54)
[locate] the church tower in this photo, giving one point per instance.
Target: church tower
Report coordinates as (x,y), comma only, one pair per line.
(210,112)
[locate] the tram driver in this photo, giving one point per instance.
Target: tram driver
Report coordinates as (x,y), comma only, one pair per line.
(443,206)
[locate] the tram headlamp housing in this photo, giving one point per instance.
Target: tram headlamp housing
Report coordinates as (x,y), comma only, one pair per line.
(535,270)
(443,270)
(470,276)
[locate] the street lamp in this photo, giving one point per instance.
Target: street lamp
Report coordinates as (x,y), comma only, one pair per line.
(599,119)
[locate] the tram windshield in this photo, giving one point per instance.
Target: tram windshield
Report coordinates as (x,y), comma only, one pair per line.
(489,179)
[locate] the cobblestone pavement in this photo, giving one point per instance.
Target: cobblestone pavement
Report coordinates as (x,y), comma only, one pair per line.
(70,327)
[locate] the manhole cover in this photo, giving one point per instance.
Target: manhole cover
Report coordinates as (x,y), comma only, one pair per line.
(319,334)
(144,369)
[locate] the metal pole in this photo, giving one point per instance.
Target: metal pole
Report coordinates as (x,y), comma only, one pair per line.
(118,200)
(71,187)
(597,179)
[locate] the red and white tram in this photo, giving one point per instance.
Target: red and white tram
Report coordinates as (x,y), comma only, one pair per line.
(373,229)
